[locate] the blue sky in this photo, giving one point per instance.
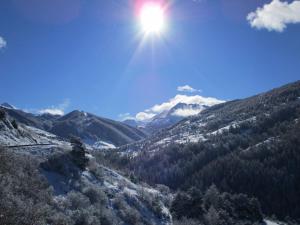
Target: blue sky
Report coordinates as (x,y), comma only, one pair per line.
(89,54)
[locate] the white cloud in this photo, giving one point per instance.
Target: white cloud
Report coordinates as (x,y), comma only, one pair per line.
(52,111)
(125,116)
(56,110)
(2,42)
(187,112)
(144,116)
(195,99)
(275,15)
(187,88)
(159,108)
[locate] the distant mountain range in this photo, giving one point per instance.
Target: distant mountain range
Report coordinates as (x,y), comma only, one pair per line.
(101,132)
(93,130)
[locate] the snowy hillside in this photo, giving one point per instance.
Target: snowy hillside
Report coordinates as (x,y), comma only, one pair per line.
(14,133)
(125,201)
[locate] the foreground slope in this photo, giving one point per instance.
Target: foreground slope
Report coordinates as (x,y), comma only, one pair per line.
(57,191)
(45,180)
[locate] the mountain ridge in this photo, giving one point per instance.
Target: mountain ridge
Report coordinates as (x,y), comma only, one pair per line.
(95,129)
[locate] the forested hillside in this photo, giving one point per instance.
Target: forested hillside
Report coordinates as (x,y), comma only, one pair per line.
(249,146)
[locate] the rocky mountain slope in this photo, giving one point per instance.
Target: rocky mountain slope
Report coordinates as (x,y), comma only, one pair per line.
(14,133)
(93,129)
(43,122)
(30,140)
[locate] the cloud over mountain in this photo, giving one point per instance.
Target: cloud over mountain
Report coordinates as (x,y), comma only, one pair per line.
(56,110)
(187,112)
(159,108)
(52,111)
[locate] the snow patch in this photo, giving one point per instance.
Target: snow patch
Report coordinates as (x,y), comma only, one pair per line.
(211,116)
(269,222)
(103,145)
(221,130)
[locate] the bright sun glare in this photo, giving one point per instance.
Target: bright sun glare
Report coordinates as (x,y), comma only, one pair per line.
(152,18)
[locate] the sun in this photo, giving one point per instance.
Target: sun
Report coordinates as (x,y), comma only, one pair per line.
(152,18)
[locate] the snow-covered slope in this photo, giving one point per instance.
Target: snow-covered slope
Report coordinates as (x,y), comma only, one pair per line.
(270,222)
(29,140)
(126,202)
(103,145)
(13,133)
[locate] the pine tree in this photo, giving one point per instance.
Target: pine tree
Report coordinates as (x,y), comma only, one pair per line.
(78,153)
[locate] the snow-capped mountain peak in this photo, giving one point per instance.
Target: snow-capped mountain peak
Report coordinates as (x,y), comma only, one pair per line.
(169,117)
